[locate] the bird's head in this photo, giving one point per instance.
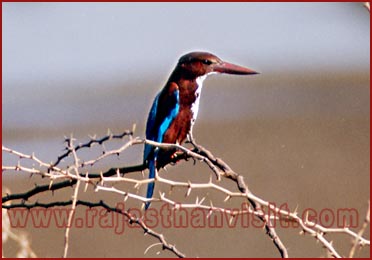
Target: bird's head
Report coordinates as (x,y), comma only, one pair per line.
(197,64)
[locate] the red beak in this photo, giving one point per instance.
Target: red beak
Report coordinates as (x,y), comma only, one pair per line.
(229,68)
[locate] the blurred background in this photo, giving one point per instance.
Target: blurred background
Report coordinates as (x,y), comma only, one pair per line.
(299,132)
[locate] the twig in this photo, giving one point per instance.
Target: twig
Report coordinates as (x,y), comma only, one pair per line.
(198,153)
(74,197)
(130,218)
(239,180)
(91,142)
(361,232)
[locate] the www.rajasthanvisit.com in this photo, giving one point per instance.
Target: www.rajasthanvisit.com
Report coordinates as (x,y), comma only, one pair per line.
(177,217)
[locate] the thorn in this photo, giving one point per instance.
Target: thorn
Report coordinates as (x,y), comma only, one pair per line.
(189,189)
(188,192)
(194,161)
(231,220)
(218,175)
(86,186)
(306,218)
(50,184)
(86,183)
(227,198)
(209,213)
(296,210)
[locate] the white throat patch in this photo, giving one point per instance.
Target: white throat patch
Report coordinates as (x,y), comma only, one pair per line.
(195,105)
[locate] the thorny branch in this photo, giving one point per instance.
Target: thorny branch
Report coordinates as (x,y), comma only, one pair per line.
(74,196)
(361,232)
(114,175)
(89,144)
(243,187)
(130,218)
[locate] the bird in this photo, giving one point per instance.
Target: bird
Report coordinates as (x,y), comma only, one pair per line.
(175,108)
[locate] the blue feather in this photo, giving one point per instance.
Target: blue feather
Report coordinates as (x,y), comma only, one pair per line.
(150,128)
(150,186)
(156,133)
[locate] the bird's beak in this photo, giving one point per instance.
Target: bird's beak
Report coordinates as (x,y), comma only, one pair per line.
(229,68)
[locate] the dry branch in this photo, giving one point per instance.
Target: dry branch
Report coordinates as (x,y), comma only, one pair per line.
(103,182)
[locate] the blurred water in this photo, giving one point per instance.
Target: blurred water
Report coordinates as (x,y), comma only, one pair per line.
(42,125)
(223,98)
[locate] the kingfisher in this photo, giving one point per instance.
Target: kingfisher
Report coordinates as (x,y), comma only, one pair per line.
(175,108)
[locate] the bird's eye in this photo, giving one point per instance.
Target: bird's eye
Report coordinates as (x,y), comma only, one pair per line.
(207,62)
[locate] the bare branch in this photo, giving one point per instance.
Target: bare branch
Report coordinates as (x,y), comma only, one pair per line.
(130,218)
(359,240)
(89,144)
(105,181)
(74,197)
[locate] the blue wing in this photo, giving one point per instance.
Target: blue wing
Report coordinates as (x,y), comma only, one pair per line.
(151,185)
(162,113)
(150,131)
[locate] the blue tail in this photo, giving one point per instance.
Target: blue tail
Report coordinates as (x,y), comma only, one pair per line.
(151,185)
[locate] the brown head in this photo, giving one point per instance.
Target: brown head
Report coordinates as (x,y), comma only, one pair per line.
(196,64)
